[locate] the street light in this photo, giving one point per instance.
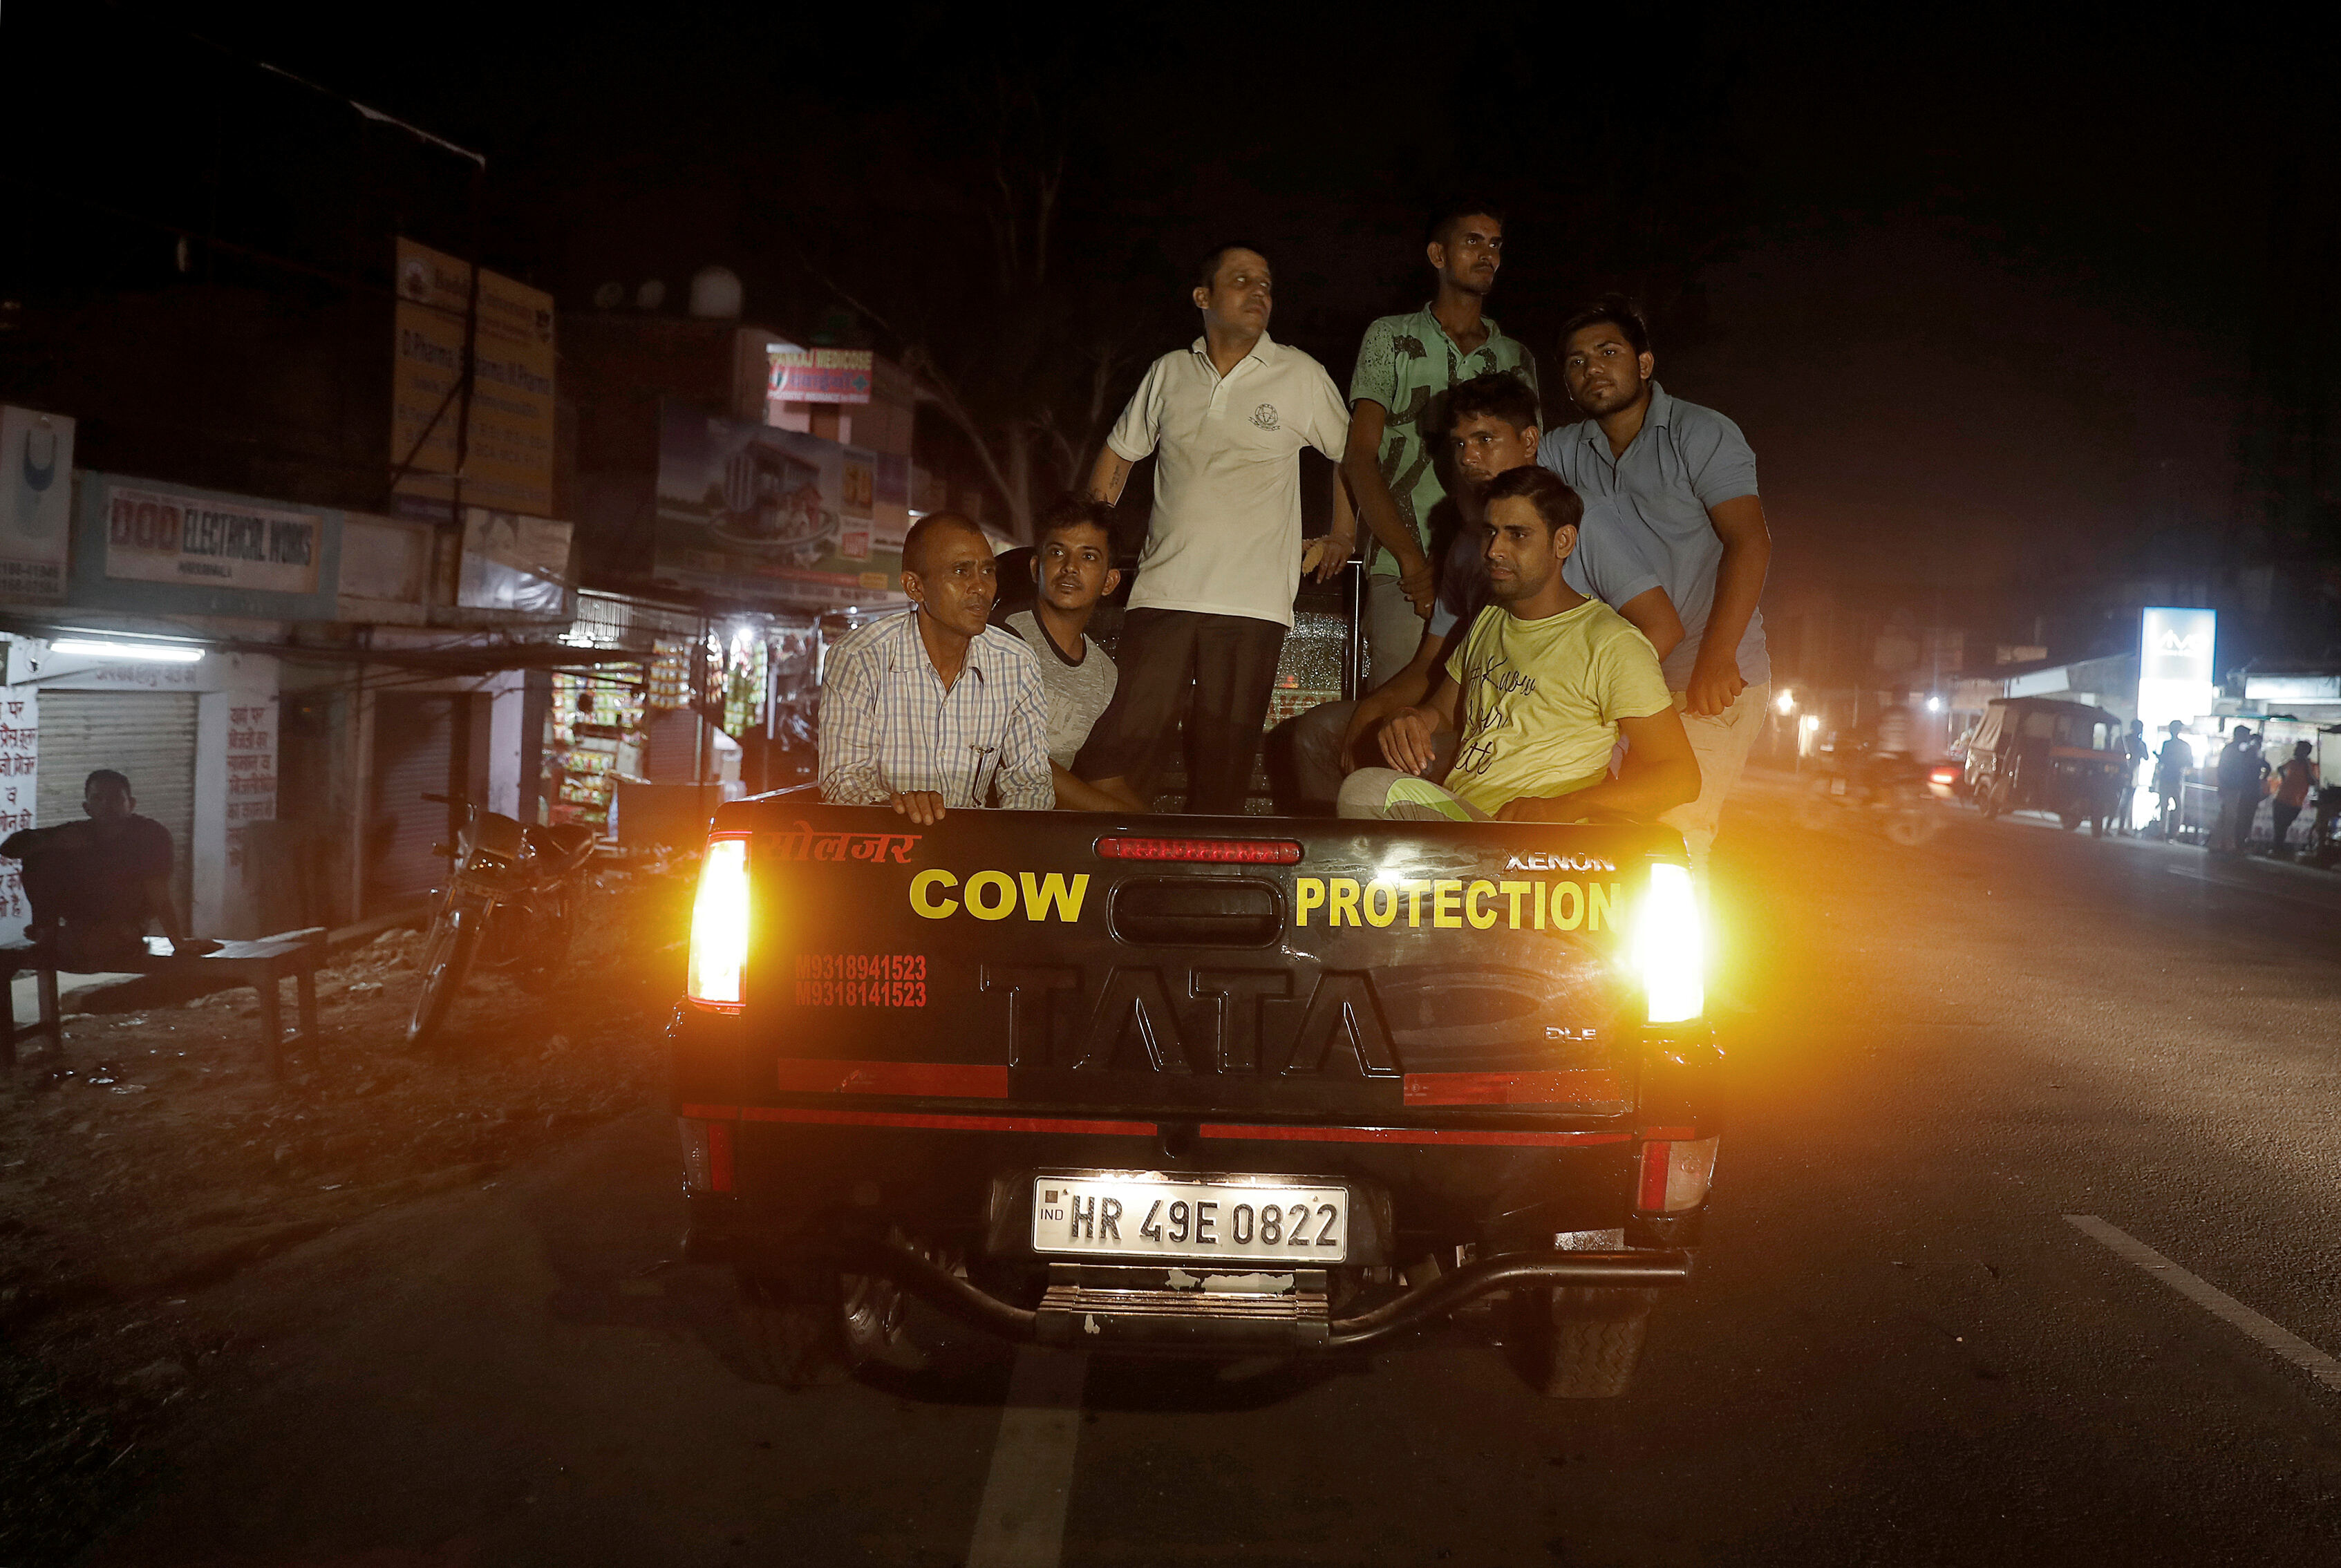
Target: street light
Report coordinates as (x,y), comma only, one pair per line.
(152,653)
(1786,702)
(1934,705)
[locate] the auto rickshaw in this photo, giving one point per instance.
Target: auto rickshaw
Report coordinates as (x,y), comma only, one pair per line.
(2044,754)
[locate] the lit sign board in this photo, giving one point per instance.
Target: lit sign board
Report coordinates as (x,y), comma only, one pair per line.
(2176,676)
(819,375)
(2176,644)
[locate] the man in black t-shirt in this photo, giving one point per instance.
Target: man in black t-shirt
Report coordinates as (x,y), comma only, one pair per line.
(2240,772)
(97,883)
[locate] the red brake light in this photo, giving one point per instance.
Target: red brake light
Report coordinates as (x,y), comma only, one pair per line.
(1215,851)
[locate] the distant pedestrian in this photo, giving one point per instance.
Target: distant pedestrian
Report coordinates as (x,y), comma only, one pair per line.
(2240,770)
(2294,780)
(2171,766)
(2139,756)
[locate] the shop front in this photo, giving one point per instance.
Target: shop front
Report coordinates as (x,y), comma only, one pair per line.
(195,734)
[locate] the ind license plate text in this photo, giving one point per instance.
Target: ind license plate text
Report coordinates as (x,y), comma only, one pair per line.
(1139,1218)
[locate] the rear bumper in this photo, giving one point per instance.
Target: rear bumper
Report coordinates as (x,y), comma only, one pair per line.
(1142,1309)
(969,1187)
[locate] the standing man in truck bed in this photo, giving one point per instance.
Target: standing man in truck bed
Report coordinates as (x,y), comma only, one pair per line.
(1406,365)
(1687,476)
(1226,419)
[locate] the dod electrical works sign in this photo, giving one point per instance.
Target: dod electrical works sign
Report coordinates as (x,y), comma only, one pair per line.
(154,536)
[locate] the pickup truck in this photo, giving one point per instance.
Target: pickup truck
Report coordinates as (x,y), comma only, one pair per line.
(1220,1086)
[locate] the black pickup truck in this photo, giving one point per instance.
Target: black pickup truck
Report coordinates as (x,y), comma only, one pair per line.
(1216,1087)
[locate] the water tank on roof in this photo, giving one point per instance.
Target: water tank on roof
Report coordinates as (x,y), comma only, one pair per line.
(715,293)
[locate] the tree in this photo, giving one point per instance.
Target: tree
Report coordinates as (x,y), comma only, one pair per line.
(1018,352)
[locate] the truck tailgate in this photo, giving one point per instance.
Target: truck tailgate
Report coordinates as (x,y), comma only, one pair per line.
(1359,973)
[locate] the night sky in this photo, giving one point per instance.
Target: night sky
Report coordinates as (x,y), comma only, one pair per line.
(1983,290)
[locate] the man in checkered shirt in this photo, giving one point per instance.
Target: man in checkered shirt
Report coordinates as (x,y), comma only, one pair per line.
(934,709)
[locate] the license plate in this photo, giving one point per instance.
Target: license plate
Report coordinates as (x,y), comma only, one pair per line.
(1251,1219)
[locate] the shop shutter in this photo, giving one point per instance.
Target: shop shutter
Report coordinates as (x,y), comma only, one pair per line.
(149,736)
(414,754)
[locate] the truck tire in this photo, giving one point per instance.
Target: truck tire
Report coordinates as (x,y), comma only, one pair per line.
(791,1330)
(1592,1341)
(871,1317)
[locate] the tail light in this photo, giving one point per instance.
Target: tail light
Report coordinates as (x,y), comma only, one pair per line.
(1675,1176)
(1668,947)
(1943,775)
(718,925)
(1212,851)
(706,1155)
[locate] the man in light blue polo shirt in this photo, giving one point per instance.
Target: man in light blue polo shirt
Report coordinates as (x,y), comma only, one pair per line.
(1685,474)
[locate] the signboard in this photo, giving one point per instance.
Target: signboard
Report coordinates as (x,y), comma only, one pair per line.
(251,765)
(758,514)
(819,375)
(508,463)
(2178,645)
(20,752)
(2176,679)
(159,536)
(35,504)
(514,562)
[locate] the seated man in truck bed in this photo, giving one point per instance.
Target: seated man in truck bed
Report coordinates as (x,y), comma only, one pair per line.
(1540,690)
(932,708)
(1073,570)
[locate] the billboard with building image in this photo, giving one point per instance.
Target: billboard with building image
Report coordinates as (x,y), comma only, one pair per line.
(769,516)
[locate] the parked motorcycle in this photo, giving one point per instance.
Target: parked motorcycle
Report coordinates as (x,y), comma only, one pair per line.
(2324,847)
(1894,792)
(510,903)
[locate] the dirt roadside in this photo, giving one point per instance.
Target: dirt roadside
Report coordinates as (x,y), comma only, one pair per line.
(157,1157)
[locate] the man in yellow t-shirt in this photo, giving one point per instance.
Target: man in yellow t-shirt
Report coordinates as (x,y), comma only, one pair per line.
(1539,692)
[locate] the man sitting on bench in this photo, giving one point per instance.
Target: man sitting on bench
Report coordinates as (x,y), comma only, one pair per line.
(94,885)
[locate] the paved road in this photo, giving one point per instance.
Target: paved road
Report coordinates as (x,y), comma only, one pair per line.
(1900,1349)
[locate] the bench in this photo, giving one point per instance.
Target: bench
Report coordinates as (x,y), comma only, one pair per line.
(261,963)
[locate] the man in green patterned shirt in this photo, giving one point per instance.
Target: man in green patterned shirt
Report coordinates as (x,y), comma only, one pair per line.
(1405,366)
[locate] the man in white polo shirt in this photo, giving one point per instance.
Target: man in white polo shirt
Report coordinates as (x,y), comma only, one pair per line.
(1226,419)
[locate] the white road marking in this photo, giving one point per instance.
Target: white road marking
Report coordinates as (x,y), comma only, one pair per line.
(2212,1299)
(2319,905)
(1021,1522)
